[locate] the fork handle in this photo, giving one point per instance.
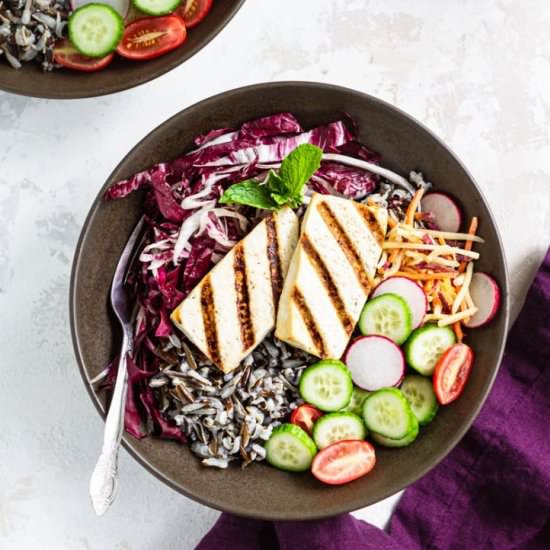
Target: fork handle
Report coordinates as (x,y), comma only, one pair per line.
(104,480)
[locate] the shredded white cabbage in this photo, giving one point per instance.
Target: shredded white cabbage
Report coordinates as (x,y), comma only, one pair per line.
(188,228)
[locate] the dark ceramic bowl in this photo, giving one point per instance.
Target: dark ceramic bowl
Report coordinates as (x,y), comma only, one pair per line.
(261,491)
(121,74)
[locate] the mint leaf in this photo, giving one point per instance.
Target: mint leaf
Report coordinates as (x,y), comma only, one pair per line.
(278,189)
(295,201)
(299,166)
(250,193)
(281,200)
(275,184)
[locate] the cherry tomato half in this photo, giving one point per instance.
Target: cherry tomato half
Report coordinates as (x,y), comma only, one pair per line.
(305,416)
(152,37)
(343,462)
(194,11)
(451,372)
(65,55)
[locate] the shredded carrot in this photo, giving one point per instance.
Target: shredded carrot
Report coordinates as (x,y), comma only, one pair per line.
(447,288)
(393,255)
(413,206)
(457,327)
(389,245)
(407,247)
(468,245)
(411,269)
(451,235)
(395,264)
(426,276)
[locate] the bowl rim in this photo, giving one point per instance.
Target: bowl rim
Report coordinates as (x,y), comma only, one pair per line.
(120,85)
(442,451)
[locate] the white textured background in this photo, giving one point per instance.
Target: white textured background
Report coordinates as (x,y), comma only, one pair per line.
(476,72)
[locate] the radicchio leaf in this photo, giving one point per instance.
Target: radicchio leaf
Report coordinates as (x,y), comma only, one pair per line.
(198,262)
(282,123)
(165,429)
(211,136)
(351,182)
(164,197)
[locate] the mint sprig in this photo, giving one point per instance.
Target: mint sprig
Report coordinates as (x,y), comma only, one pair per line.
(248,192)
(284,188)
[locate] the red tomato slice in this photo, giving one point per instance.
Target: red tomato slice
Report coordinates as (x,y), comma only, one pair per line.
(194,11)
(65,55)
(152,37)
(451,372)
(343,462)
(305,416)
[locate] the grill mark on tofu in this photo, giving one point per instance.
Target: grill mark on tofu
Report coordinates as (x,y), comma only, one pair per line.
(346,244)
(209,320)
(243,297)
(372,223)
(274,258)
(309,321)
(329,284)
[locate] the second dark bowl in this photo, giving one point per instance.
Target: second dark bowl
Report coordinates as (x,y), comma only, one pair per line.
(261,491)
(121,74)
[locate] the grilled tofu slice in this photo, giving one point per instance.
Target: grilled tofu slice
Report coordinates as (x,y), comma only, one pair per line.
(234,307)
(330,274)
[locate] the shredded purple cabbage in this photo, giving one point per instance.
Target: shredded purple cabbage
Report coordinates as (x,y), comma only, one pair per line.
(188,230)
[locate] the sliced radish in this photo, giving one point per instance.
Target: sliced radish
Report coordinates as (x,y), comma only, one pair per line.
(375,362)
(410,291)
(486,297)
(447,214)
(122,6)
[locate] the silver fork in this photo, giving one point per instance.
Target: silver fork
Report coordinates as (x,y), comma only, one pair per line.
(104,480)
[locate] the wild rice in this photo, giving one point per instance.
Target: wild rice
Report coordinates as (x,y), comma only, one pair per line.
(228,417)
(29,30)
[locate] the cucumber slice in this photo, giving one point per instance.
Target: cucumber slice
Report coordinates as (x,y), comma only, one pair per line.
(419,391)
(290,448)
(156,7)
(339,426)
(327,385)
(355,404)
(95,29)
(387,315)
(426,345)
(388,413)
(403,442)
(410,291)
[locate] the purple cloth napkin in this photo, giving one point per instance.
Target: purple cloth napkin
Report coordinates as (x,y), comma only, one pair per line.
(493,489)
